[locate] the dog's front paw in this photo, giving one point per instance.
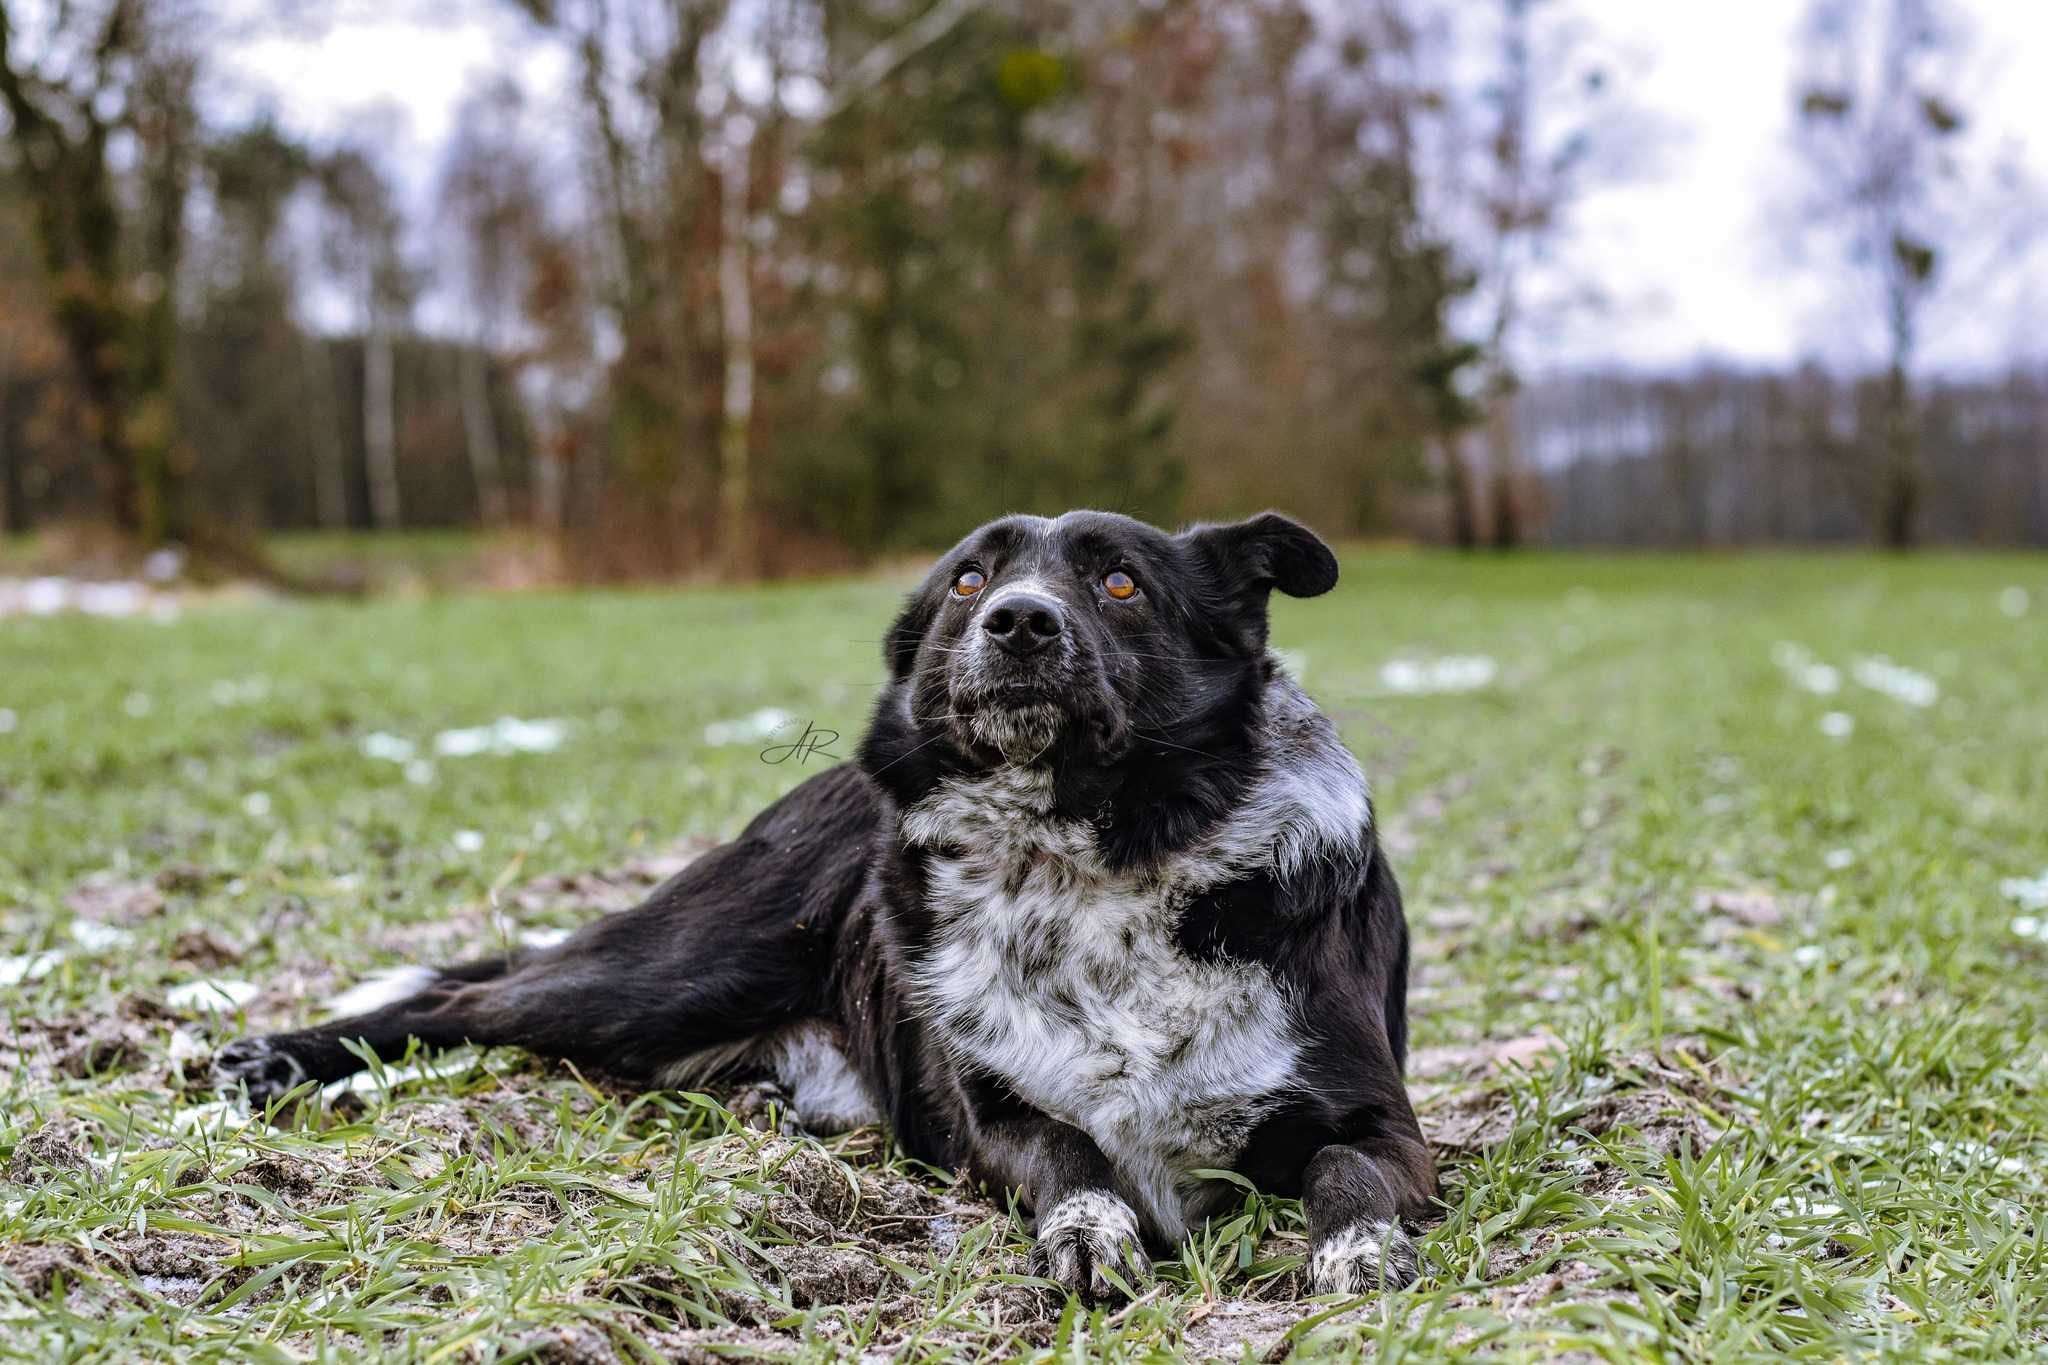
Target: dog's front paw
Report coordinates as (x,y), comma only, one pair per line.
(1086,1237)
(1361,1257)
(267,1070)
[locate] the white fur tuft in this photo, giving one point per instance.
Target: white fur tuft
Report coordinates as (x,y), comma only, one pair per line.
(381,988)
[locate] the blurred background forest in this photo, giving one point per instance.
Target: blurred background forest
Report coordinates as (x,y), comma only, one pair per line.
(746,287)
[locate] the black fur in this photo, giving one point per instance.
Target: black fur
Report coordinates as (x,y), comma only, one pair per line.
(820,910)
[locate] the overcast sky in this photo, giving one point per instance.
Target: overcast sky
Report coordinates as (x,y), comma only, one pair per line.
(1687,254)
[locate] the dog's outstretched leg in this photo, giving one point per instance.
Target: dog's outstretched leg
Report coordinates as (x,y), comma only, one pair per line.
(693,970)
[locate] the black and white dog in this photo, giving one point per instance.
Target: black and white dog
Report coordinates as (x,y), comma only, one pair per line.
(1099,907)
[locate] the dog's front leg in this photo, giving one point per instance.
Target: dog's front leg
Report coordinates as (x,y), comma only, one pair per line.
(1086,1232)
(1356,1196)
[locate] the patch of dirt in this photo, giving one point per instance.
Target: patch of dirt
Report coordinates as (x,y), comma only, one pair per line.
(1462,1099)
(578,1345)
(1232,1329)
(75,1044)
(610,890)
(1755,906)
(36,1265)
(109,899)
(820,1275)
(56,1147)
(204,948)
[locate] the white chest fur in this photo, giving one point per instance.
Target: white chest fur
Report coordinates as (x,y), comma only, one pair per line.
(1067,981)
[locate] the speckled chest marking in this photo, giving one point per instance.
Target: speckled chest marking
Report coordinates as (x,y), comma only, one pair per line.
(1067,980)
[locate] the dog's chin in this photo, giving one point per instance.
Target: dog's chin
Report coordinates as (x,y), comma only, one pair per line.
(1017,729)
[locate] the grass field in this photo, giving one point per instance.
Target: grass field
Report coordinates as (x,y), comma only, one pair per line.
(1729,1036)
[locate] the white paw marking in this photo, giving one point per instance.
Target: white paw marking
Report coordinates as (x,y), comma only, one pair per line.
(1361,1257)
(1085,1237)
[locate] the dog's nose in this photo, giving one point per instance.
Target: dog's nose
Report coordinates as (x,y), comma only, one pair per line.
(1024,623)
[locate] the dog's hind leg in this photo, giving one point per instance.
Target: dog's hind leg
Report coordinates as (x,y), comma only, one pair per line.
(637,994)
(742,943)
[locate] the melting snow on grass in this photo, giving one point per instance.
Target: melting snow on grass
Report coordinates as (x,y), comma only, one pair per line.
(1821,679)
(381,1080)
(54,596)
(389,747)
(1838,725)
(1896,681)
(27,967)
(239,692)
(1450,673)
(2030,893)
(2014,601)
(95,937)
(762,724)
(222,996)
(505,735)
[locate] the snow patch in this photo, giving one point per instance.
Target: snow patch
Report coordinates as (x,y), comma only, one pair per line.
(216,996)
(762,724)
(505,735)
(2029,893)
(28,967)
(1450,673)
(1896,681)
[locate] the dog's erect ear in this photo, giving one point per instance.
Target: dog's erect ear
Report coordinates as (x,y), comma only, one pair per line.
(1248,559)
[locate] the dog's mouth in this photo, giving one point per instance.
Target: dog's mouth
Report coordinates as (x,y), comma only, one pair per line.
(1052,716)
(1021,731)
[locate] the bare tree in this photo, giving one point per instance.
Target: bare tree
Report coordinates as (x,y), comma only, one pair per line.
(1881,133)
(490,205)
(110,258)
(1544,126)
(363,246)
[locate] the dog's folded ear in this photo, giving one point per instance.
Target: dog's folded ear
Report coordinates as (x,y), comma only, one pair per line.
(1246,560)
(1270,551)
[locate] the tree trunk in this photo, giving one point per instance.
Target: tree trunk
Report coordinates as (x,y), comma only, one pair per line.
(735,290)
(330,481)
(1464,516)
(480,433)
(380,443)
(1899,495)
(1507,518)
(7,510)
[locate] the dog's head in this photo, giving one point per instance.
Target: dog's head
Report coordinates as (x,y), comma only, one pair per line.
(1074,641)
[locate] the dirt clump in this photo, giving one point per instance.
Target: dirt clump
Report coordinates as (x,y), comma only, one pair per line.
(57,1146)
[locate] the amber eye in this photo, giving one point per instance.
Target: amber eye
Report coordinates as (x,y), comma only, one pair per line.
(969,583)
(1119,585)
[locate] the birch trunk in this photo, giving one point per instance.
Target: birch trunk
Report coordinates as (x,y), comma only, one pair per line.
(380,444)
(480,434)
(330,483)
(735,290)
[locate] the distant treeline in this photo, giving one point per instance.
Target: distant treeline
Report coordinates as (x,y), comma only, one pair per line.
(277,435)
(1726,457)
(765,285)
